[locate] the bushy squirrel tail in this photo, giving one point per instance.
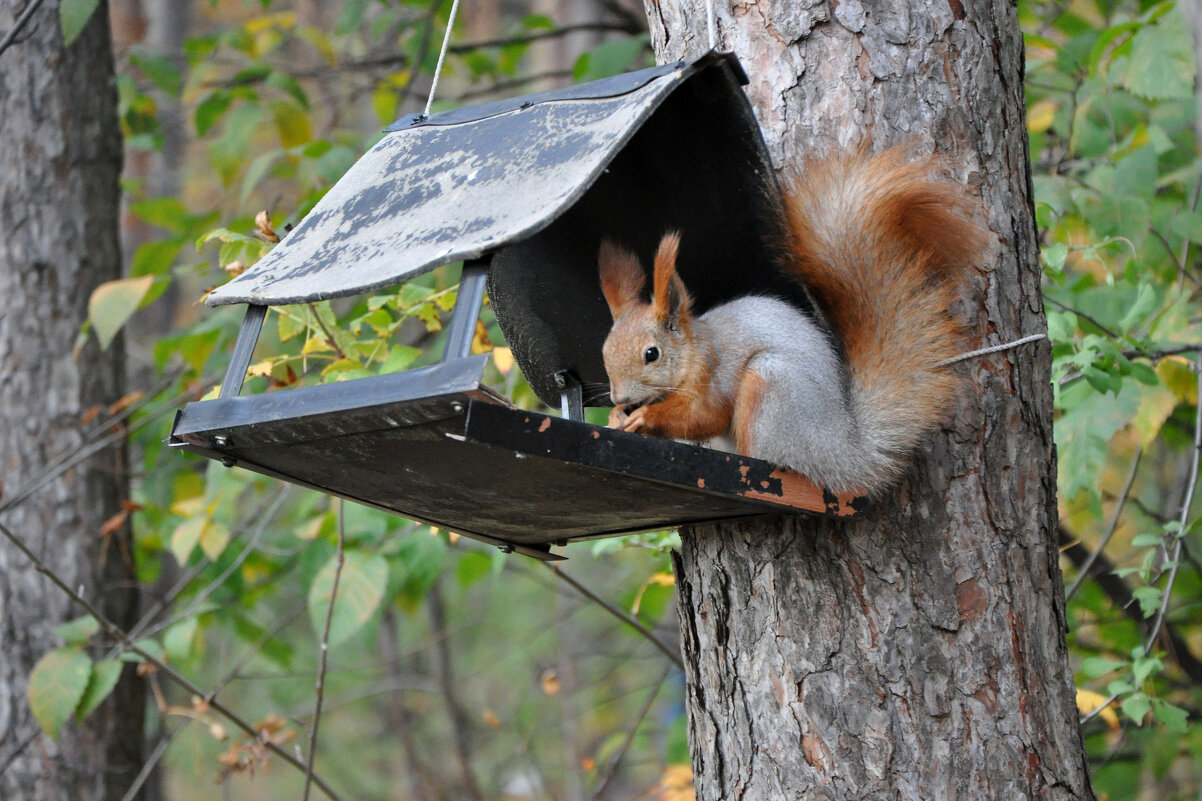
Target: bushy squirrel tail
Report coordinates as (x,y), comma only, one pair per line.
(882,246)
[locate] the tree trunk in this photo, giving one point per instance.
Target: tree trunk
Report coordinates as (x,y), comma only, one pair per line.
(918,651)
(59,166)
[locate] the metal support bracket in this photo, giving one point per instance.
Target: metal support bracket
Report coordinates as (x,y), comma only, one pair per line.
(467,310)
(244,348)
(571,396)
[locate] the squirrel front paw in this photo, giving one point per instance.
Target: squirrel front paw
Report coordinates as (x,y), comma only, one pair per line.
(619,419)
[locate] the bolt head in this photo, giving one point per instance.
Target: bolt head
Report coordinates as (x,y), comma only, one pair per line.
(221,441)
(457,407)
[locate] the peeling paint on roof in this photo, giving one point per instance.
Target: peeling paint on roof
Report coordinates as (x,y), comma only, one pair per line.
(438,191)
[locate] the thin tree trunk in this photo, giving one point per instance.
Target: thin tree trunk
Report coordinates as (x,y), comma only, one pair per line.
(60,158)
(917,652)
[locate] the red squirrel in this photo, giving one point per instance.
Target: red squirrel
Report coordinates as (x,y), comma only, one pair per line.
(882,247)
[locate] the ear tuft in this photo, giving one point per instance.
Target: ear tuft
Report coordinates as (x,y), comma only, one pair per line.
(672,301)
(622,278)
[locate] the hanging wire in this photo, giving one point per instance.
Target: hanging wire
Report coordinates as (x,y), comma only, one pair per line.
(442,54)
(709,23)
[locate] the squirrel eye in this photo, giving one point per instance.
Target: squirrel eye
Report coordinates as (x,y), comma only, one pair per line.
(651,354)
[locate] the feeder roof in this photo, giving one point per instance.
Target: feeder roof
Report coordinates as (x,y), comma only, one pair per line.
(457,185)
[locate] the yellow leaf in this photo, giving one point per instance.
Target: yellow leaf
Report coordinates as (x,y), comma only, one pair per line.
(262,368)
(284,19)
(480,341)
(1175,373)
(491,719)
(320,42)
(550,682)
(676,784)
(1155,406)
(189,507)
(316,345)
(1088,701)
(213,539)
(660,579)
(1040,116)
(503,359)
(185,537)
(292,123)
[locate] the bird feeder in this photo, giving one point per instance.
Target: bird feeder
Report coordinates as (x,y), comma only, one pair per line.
(522,191)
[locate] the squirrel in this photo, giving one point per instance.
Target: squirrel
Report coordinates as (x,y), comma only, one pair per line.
(882,248)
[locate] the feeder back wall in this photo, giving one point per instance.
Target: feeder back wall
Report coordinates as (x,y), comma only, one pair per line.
(697,166)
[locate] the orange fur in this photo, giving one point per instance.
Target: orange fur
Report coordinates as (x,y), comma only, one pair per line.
(622,278)
(890,293)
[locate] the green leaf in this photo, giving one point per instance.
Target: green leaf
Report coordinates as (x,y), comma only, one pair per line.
(101,682)
(113,302)
(1145,303)
(148,645)
(1173,717)
(178,639)
(211,109)
(1144,668)
(1096,666)
(165,212)
(1188,224)
(360,590)
(608,59)
(1149,599)
(1161,64)
(160,70)
(79,630)
(351,16)
(1055,255)
(74,16)
(155,257)
(1137,707)
(56,686)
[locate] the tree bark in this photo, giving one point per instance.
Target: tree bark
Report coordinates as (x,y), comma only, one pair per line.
(916,652)
(59,167)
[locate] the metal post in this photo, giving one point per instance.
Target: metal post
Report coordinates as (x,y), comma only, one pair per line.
(467,310)
(571,396)
(244,348)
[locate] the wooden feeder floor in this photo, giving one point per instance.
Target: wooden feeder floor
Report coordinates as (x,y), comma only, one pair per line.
(434,445)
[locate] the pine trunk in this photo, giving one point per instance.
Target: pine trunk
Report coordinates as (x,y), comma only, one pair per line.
(917,652)
(60,160)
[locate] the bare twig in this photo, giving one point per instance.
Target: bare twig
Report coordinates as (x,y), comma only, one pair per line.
(11,36)
(621,27)
(502,86)
(70,458)
(618,613)
(11,758)
(446,680)
(1175,559)
(149,765)
(1083,571)
(114,631)
(325,651)
(612,768)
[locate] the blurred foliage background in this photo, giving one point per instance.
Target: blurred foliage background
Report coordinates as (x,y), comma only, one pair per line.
(456,671)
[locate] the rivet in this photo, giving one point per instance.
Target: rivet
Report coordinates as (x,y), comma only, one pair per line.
(229,461)
(505,548)
(457,407)
(221,441)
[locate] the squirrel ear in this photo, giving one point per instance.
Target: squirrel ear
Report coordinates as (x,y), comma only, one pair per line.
(672,301)
(622,278)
